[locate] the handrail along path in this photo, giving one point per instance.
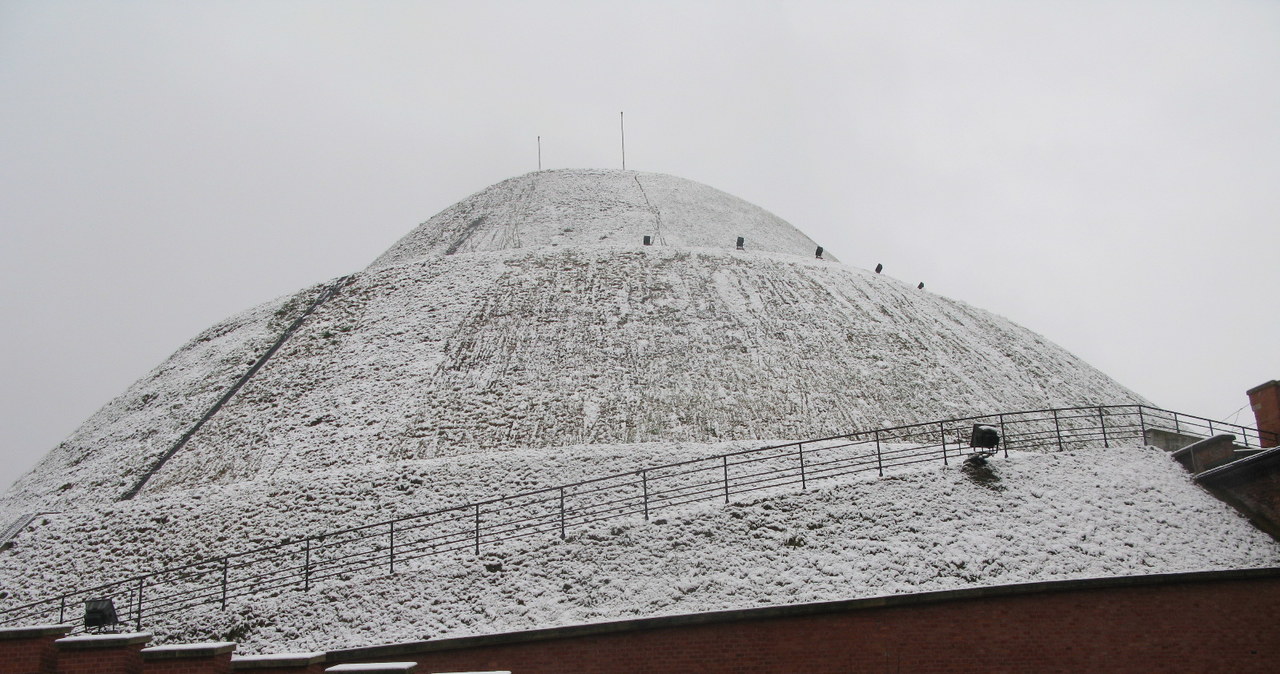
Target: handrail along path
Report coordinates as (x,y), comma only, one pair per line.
(382,547)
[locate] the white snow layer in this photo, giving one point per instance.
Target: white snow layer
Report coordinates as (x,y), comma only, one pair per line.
(1086,513)
(544,348)
(597,208)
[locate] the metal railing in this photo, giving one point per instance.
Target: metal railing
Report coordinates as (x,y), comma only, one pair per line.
(383,547)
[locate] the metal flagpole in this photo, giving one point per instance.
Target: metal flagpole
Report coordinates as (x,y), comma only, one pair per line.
(622,126)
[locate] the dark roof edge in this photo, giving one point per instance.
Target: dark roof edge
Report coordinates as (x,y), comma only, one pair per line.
(1259,387)
(795,610)
(1229,469)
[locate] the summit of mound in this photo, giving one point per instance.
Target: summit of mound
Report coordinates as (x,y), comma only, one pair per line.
(596,207)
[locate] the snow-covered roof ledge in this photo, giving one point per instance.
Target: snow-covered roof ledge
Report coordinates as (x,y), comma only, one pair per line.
(34,631)
(183,651)
(85,641)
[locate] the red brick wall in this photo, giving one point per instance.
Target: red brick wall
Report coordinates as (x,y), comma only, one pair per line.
(216,665)
(24,656)
(1190,622)
(1265,400)
(313,668)
(1217,626)
(101,661)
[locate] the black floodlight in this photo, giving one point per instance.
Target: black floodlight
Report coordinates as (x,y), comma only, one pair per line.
(741,243)
(100,614)
(819,253)
(984,437)
(648,240)
(921,286)
(879,268)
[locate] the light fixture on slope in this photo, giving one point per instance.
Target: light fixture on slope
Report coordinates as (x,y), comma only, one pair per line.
(100,614)
(983,440)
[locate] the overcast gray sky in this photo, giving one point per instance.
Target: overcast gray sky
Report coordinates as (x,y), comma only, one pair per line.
(1105,173)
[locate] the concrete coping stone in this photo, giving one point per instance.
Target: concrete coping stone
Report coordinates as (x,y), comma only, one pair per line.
(34,631)
(276,660)
(1221,438)
(375,667)
(88,641)
(180,651)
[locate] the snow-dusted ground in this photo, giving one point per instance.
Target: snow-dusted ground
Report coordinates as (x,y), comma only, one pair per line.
(1086,513)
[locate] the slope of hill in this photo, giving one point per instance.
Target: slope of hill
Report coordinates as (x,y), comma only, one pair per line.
(494,351)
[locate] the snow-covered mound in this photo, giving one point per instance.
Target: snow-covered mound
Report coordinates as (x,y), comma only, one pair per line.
(526,338)
(554,338)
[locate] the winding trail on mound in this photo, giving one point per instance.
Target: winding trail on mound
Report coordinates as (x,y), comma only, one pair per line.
(324,296)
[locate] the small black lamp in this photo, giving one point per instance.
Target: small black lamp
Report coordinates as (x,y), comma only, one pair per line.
(100,614)
(984,437)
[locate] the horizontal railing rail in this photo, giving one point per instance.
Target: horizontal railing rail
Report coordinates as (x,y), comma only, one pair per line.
(384,547)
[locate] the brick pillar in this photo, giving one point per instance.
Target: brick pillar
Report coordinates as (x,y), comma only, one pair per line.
(282,663)
(101,653)
(207,658)
(1265,400)
(29,650)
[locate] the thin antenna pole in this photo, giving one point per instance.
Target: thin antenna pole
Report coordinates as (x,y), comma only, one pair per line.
(539,153)
(622,125)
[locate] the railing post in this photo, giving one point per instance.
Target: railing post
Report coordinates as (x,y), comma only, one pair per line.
(879,464)
(725,462)
(942,434)
(1142,424)
(62,609)
(644,484)
(562,513)
(306,567)
(477,529)
(1103,422)
(803,484)
(1211,428)
(1004,438)
(1057,428)
(1176,427)
(392,546)
(138,622)
(224,583)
